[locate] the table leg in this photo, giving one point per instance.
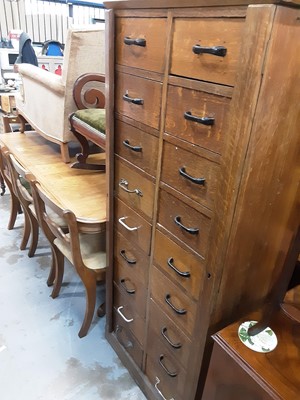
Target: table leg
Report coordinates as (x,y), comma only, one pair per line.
(2,185)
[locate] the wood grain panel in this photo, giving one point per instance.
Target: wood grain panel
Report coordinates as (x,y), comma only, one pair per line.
(150,56)
(138,88)
(210,32)
(201,105)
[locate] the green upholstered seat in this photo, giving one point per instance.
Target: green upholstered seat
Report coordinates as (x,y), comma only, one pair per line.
(94,117)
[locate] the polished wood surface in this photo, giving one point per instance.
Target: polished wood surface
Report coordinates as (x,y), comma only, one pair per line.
(238,372)
(83,192)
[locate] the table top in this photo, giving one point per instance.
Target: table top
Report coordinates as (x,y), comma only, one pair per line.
(81,191)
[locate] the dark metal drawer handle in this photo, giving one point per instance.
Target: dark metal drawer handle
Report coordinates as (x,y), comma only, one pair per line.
(129,291)
(198,181)
(133,148)
(192,231)
(137,42)
(122,315)
(171,265)
(127,345)
(124,185)
(201,120)
(180,311)
(172,374)
(219,51)
(174,345)
(123,254)
(132,100)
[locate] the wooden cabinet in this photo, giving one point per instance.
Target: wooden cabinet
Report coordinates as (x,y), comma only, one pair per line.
(203,155)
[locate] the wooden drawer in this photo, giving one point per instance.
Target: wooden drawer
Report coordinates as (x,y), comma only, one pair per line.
(194,176)
(132,226)
(173,212)
(140,94)
(131,287)
(169,387)
(131,257)
(125,308)
(136,146)
(183,267)
(134,188)
(206,33)
(127,339)
(163,329)
(170,297)
(185,103)
(141,43)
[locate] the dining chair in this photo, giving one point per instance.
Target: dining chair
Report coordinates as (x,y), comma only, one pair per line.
(15,207)
(85,251)
(22,191)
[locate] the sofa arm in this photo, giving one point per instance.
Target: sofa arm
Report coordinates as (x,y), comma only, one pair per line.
(47,79)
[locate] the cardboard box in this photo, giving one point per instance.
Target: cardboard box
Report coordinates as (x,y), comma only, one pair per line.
(8,104)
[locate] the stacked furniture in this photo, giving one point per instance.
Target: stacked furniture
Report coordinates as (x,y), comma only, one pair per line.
(203,149)
(45,99)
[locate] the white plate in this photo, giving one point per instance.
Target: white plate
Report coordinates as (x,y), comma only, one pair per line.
(263,342)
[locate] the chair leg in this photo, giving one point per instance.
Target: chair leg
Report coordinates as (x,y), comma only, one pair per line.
(26,231)
(34,236)
(51,276)
(14,209)
(89,282)
(59,271)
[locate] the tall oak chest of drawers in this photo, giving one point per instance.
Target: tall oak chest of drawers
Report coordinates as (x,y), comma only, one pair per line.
(203,117)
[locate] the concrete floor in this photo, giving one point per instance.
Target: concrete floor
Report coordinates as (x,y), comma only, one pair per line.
(41,356)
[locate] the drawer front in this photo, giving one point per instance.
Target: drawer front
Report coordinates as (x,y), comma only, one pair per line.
(133,188)
(194,176)
(168,387)
(136,146)
(188,112)
(188,224)
(173,301)
(183,267)
(163,329)
(132,226)
(141,43)
(193,35)
(131,320)
(134,98)
(127,339)
(131,288)
(131,257)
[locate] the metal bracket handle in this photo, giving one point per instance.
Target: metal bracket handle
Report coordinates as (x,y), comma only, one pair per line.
(171,374)
(200,120)
(121,220)
(133,100)
(164,334)
(123,184)
(123,284)
(133,148)
(192,231)
(128,260)
(160,393)
(180,311)
(137,42)
(198,181)
(219,51)
(186,274)
(122,315)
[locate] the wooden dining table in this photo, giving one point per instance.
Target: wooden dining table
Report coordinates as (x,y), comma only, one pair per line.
(81,191)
